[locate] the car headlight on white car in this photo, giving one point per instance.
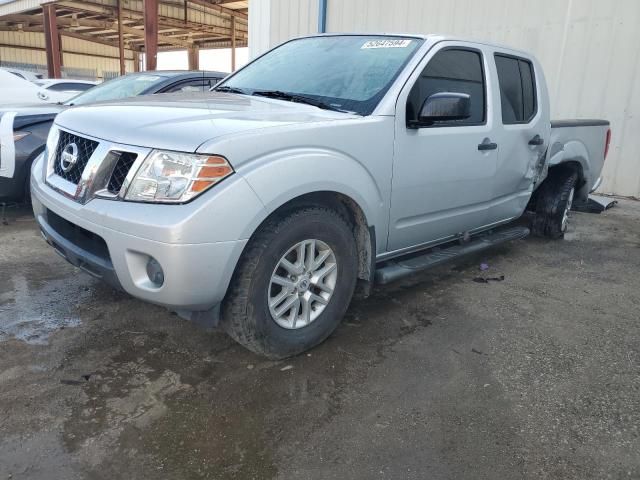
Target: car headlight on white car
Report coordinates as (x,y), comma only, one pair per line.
(175,177)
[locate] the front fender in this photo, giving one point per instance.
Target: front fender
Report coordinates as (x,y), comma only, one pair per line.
(282,176)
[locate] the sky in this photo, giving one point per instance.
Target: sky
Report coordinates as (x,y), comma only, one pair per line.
(218,60)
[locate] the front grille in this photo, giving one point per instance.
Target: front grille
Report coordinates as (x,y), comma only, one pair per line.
(121,170)
(86,148)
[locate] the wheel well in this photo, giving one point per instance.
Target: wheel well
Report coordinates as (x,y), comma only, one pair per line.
(555,171)
(572,166)
(349,208)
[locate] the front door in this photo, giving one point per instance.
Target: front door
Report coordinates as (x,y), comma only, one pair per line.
(442,173)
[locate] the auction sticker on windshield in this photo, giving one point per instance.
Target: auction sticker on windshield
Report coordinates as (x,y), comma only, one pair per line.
(386,44)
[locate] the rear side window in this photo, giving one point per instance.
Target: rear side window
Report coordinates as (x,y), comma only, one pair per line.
(451,70)
(517,89)
(69,87)
(197,85)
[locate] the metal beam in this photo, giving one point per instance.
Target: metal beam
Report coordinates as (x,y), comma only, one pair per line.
(68,52)
(80,36)
(151,33)
(233,44)
(194,58)
(227,11)
(129,15)
(134,14)
(52,41)
(112,26)
(123,68)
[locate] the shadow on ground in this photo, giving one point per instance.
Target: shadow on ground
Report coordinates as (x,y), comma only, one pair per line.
(435,377)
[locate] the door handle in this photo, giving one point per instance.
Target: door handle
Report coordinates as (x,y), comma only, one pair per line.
(536,141)
(487,145)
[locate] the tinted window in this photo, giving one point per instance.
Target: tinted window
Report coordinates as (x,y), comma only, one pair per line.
(458,71)
(198,85)
(69,87)
(528,89)
(517,89)
(119,87)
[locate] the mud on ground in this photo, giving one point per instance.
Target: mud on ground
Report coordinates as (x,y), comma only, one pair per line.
(438,376)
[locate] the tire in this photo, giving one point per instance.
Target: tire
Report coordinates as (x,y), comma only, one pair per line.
(553,205)
(246,313)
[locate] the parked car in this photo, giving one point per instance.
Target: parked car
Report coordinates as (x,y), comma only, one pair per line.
(15,90)
(32,123)
(70,87)
(264,204)
(24,74)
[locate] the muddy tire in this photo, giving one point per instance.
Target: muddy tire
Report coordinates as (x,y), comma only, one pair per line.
(553,205)
(293,283)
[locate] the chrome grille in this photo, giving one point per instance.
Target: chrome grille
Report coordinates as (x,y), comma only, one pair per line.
(86,148)
(121,170)
(100,170)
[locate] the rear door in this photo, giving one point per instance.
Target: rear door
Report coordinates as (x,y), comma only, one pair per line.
(525,130)
(442,181)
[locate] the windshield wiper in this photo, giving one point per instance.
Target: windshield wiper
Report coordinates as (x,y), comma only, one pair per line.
(292,97)
(226,89)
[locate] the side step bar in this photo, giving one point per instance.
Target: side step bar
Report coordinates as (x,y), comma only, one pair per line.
(399,268)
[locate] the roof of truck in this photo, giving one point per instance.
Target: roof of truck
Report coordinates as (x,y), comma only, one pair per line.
(428,36)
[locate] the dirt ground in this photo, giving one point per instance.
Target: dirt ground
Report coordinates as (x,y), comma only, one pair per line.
(435,377)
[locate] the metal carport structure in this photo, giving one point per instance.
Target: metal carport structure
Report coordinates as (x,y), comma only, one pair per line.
(120,30)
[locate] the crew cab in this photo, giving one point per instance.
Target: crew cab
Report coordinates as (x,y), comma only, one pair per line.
(327,164)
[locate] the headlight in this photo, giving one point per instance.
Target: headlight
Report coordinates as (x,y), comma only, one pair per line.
(174,177)
(20,135)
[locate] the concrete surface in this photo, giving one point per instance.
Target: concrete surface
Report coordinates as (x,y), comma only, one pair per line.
(436,377)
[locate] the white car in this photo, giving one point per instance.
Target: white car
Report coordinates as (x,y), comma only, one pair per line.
(31,76)
(15,90)
(67,86)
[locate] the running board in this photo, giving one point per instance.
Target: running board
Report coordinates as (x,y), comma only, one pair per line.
(399,268)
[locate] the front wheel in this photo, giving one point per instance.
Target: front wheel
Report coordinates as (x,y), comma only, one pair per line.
(293,284)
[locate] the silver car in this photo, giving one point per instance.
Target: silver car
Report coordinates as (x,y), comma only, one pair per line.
(327,164)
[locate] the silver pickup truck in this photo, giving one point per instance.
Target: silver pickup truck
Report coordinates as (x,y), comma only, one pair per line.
(328,164)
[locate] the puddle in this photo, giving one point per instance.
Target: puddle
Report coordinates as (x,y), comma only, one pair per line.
(32,315)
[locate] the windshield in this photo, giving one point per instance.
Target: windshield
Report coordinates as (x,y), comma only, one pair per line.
(121,87)
(345,72)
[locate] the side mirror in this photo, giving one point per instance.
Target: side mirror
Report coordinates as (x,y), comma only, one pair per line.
(445,106)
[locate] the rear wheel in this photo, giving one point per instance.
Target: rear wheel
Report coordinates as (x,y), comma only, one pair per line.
(553,205)
(293,284)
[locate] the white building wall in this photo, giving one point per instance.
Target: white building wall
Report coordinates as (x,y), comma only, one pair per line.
(589,50)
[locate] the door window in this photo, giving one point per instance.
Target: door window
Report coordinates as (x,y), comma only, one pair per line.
(189,86)
(451,70)
(517,89)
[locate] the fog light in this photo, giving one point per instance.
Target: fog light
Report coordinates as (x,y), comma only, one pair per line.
(155,273)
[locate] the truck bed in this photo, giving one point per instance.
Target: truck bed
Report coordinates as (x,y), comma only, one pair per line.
(583,142)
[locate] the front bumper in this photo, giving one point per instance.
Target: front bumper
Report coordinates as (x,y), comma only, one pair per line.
(196,275)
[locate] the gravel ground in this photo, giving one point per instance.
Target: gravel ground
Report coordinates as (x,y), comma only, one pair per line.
(438,376)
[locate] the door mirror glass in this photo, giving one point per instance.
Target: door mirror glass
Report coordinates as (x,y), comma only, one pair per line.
(445,106)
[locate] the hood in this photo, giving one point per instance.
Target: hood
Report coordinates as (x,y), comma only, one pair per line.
(34,109)
(31,114)
(183,122)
